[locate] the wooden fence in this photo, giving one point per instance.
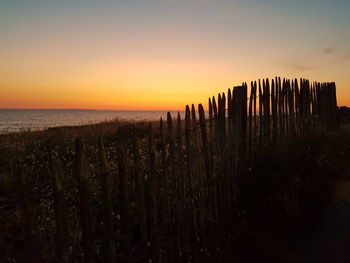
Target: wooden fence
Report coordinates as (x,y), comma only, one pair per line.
(172,193)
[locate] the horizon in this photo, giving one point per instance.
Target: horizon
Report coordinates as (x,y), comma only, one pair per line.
(161,56)
(79,109)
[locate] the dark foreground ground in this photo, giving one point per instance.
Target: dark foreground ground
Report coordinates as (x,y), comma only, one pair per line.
(328,237)
(331,236)
(319,229)
(296,207)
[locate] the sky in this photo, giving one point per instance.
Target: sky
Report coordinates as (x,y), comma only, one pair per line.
(164,54)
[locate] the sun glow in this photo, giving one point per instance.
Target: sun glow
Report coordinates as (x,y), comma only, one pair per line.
(125,56)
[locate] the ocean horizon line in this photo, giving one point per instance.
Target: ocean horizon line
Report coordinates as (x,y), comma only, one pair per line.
(81,109)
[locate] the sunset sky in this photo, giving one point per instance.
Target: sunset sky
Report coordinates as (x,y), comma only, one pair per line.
(164,54)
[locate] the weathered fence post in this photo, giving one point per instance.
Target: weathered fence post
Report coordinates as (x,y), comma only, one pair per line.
(171,149)
(140,190)
(106,190)
(292,107)
(180,158)
(207,161)
(297,107)
(229,113)
(188,151)
(266,96)
(200,189)
(62,231)
(84,202)
(261,116)
(153,197)
(250,124)
(164,178)
(274,112)
(124,202)
(244,127)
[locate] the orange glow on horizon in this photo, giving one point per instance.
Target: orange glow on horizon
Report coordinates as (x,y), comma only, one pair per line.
(150,56)
(153,98)
(133,85)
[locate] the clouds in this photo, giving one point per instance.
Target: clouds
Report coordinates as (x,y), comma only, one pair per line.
(297,66)
(328,50)
(317,58)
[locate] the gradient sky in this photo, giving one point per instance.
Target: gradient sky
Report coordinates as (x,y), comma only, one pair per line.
(164,54)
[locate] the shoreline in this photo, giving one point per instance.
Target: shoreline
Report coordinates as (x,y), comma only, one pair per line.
(19,121)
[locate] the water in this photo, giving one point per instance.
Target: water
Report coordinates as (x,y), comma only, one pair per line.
(24,120)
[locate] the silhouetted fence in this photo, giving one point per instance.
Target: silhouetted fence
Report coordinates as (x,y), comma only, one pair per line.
(170,195)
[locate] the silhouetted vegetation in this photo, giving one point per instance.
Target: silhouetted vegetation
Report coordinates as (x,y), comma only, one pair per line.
(238,185)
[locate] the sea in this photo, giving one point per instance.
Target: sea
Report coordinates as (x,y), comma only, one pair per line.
(17,120)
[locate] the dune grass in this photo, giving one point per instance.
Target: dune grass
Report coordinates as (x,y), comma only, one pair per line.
(284,193)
